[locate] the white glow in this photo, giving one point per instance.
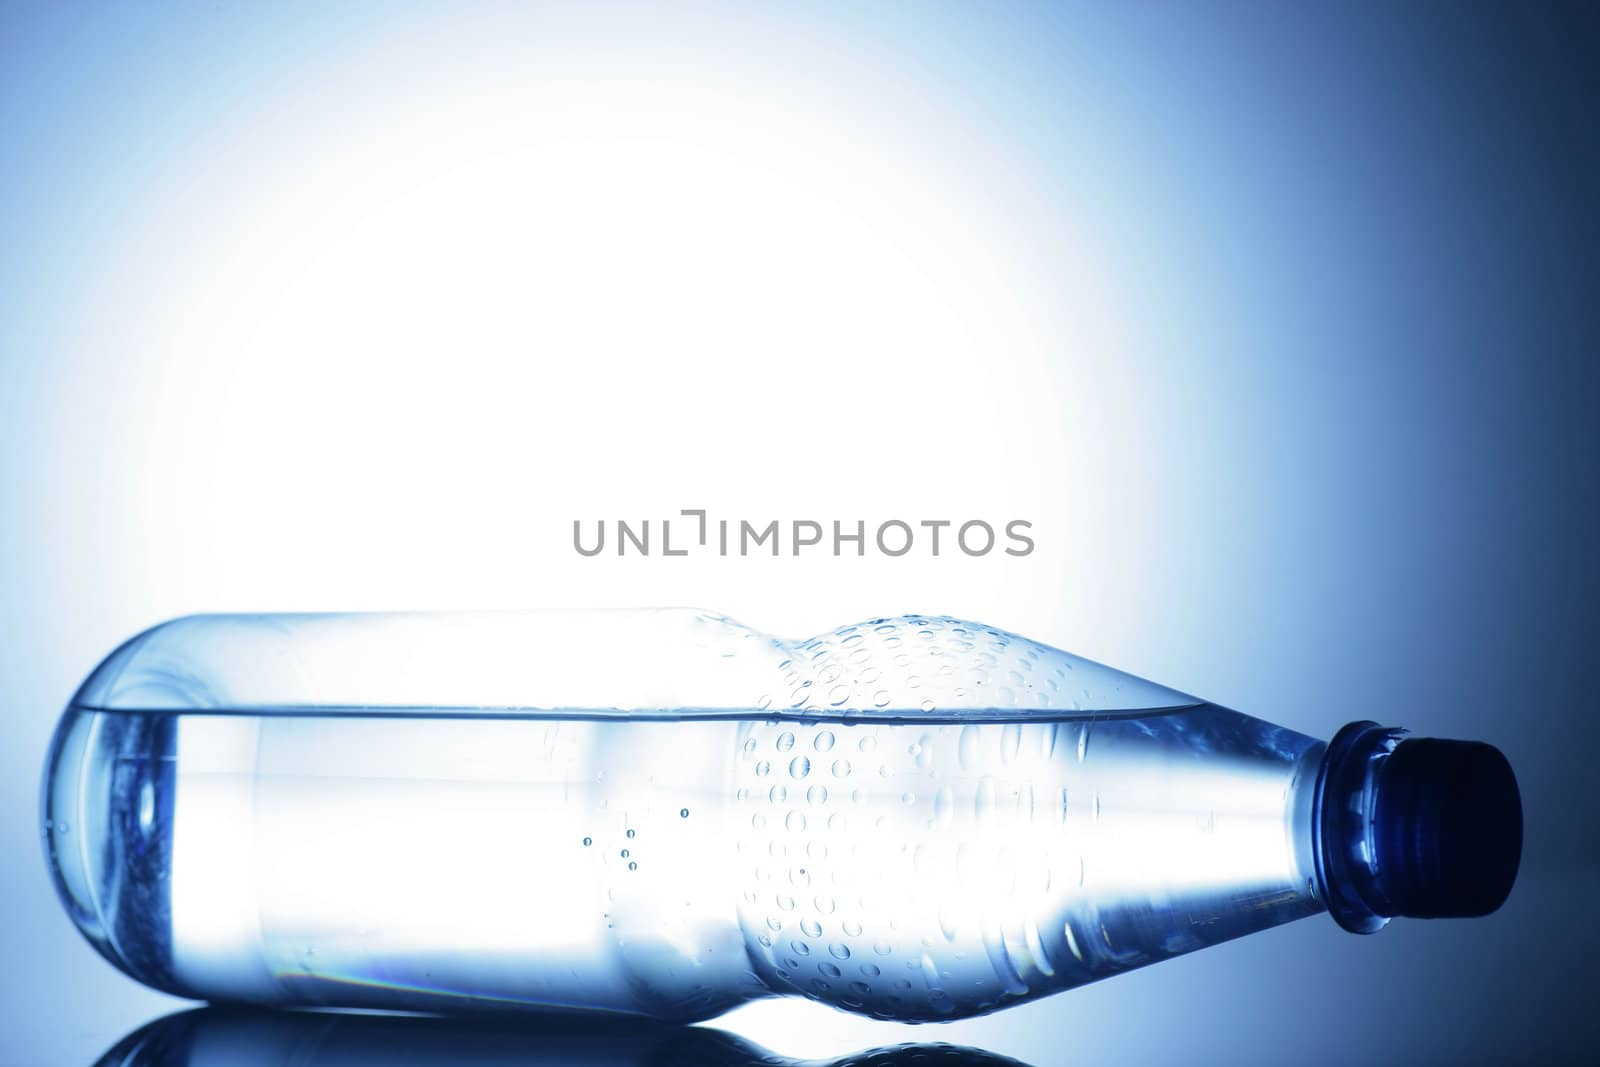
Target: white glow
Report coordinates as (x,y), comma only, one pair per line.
(215,908)
(393,366)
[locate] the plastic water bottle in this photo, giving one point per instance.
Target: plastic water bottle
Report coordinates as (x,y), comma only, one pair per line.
(664,813)
(228,1037)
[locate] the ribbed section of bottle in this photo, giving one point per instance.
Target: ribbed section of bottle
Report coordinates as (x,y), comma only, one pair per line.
(934,872)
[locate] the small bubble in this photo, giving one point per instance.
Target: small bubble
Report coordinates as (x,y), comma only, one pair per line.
(800,947)
(795,823)
(882,948)
(762,768)
(588,841)
(868,744)
(908,797)
(750,745)
(758,821)
(871,970)
(828,969)
(824,904)
(810,927)
(624,853)
(630,833)
(836,821)
(824,741)
(785,741)
(841,768)
(778,794)
(799,767)
(839,950)
(852,928)
(927,705)
(786,902)
(881,698)
(861,988)
(683,813)
(817,794)
(633,865)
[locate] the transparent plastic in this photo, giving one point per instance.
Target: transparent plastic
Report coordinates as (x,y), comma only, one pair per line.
(658,813)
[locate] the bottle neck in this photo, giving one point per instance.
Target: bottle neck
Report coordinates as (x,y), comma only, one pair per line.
(1418,827)
(1341,824)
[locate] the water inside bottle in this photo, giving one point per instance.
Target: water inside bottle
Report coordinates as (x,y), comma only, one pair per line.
(913,865)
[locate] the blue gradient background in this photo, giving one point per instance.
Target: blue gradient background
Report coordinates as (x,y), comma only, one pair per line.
(1327,453)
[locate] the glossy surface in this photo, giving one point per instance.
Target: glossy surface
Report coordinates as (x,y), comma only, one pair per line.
(220,1037)
(665,862)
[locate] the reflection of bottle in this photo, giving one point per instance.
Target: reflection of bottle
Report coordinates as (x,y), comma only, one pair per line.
(222,1037)
(665,813)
